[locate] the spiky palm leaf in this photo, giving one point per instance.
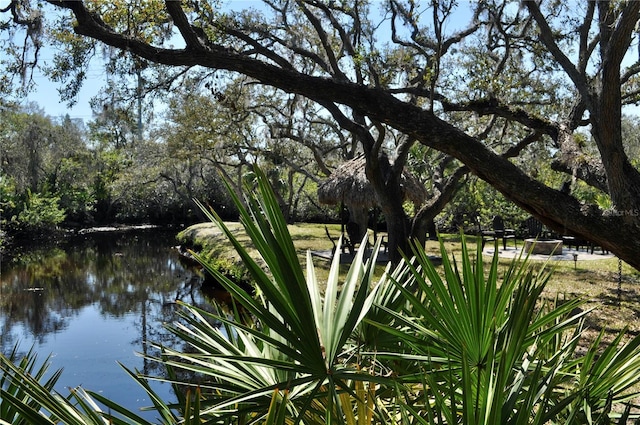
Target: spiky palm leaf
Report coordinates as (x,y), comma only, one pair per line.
(26,398)
(11,388)
(486,350)
(302,341)
(465,344)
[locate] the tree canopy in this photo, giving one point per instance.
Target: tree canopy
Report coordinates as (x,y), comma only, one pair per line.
(481,82)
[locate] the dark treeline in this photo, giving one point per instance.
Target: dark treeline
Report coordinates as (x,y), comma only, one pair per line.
(57,172)
(60,173)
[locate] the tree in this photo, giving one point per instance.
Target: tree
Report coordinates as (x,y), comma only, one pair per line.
(229,125)
(631,138)
(557,71)
(45,168)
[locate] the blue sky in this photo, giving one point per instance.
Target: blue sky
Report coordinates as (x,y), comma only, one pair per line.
(47,97)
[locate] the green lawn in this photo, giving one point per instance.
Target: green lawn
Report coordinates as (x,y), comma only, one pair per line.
(596,280)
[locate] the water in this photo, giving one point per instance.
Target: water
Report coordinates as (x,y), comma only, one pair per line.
(92,302)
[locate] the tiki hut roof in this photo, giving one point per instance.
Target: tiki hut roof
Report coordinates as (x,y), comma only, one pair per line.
(349,184)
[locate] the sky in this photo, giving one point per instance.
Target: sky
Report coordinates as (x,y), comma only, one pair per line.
(47,97)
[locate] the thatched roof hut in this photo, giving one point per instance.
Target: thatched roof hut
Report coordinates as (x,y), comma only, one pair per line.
(349,184)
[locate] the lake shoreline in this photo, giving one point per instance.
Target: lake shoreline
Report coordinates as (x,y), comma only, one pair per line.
(13,246)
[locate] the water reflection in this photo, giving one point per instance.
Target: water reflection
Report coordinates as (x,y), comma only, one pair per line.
(95,300)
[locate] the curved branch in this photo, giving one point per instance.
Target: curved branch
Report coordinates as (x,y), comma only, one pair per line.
(495,107)
(515,150)
(586,48)
(180,20)
(346,42)
(268,53)
(630,72)
(324,39)
(436,203)
(546,36)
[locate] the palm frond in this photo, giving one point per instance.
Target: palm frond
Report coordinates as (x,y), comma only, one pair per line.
(302,338)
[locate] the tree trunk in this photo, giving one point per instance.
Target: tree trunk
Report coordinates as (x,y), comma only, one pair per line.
(424,220)
(398,234)
(420,227)
(386,183)
(360,217)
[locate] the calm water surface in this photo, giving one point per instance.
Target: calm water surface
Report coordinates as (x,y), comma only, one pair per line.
(92,302)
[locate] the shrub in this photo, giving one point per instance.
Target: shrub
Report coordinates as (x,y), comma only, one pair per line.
(38,213)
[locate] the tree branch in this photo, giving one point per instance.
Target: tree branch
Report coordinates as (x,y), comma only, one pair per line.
(495,107)
(546,36)
(193,41)
(557,210)
(324,40)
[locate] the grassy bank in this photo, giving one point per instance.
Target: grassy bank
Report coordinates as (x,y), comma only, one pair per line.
(597,281)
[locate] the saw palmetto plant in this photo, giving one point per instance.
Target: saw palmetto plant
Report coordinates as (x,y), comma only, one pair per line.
(467,342)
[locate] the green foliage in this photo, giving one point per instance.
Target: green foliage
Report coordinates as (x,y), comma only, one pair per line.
(478,199)
(309,210)
(15,373)
(7,206)
(299,341)
(47,161)
(591,195)
(7,196)
(631,137)
(38,213)
(114,128)
(73,184)
(486,351)
(46,171)
(467,343)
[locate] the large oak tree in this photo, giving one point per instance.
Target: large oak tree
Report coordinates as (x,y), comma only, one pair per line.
(523,73)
